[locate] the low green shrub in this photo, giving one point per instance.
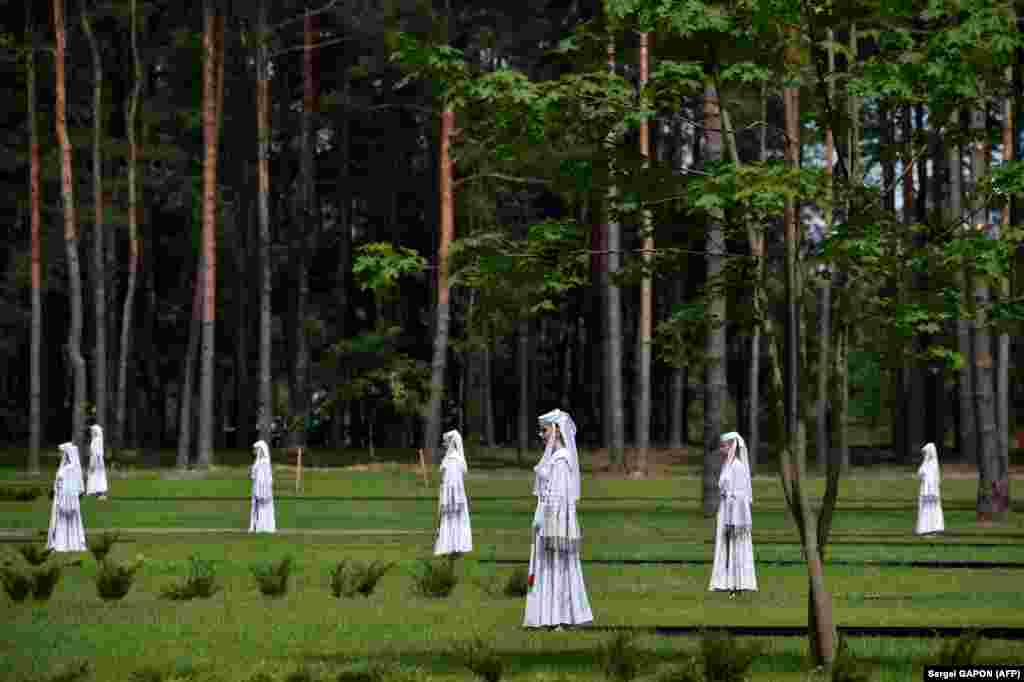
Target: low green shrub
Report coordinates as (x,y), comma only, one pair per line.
(101,545)
(36,555)
(620,658)
(846,668)
(272,578)
(435,579)
(726,660)
(680,672)
(17,585)
(201,582)
(300,675)
(20,493)
(518,584)
(480,658)
(961,651)
(351,578)
(147,674)
(44,582)
(71,672)
(113,580)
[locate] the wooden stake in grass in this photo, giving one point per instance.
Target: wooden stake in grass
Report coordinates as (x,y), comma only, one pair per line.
(298,471)
(423,469)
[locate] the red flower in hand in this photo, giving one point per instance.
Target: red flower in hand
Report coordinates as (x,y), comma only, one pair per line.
(530,580)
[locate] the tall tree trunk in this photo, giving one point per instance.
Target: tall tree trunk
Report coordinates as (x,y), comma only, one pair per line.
(433,426)
(98,246)
(613,349)
(966,433)
(212,94)
(714,354)
(643,345)
(1003,340)
(993,474)
(35,390)
(242,384)
(185,406)
(133,234)
(266,401)
(74,349)
(825,300)
(488,397)
(523,375)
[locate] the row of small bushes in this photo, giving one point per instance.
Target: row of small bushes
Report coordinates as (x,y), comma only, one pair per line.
(720,658)
(20,493)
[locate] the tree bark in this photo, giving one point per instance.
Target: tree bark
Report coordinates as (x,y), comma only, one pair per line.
(74,351)
(825,306)
(643,346)
(523,358)
(1003,340)
(613,349)
(488,398)
(212,93)
(35,368)
(185,406)
(433,426)
(714,364)
(98,250)
(266,401)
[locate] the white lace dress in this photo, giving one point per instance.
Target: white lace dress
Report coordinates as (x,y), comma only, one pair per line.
(558,595)
(455,534)
(67,534)
(261,513)
(733,567)
(929,504)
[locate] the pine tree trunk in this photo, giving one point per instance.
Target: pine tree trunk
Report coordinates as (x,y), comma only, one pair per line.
(243,285)
(1003,341)
(643,346)
(74,348)
(266,402)
(488,397)
(212,93)
(523,358)
(677,393)
(433,427)
(185,406)
(614,350)
(714,363)
(825,319)
(98,252)
(35,390)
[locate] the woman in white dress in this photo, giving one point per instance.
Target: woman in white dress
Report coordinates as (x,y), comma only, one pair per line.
(454,534)
(733,567)
(929,504)
(261,514)
(66,531)
(557,593)
(97,482)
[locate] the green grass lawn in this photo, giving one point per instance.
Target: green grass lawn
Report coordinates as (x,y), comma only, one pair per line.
(239,633)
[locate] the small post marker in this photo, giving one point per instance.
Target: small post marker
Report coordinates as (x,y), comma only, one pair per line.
(298,471)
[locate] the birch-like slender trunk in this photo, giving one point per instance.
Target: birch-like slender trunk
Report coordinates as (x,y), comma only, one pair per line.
(212,97)
(442,316)
(35,368)
(185,406)
(74,347)
(613,349)
(523,376)
(266,403)
(714,355)
(643,345)
(98,245)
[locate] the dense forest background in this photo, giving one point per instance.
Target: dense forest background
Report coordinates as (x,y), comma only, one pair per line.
(363,222)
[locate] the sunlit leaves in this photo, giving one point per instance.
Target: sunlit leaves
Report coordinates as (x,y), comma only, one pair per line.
(379,265)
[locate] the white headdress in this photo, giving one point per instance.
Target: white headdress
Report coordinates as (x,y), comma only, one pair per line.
(567,428)
(70,469)
(262,451)
(931,460)
(454,451)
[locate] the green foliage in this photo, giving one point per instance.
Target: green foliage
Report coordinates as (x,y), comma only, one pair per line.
(846,668)
(480,658)
(201,582)
(113,580)
(351,578)
(724,659)
(680,672)
(679,340)
(434,578)
(272,578)
(44,582)
(518,584)
(17,585)
(620,658)
(147,674)
(379,265)
(73,671)
(20,493)
(100,546)
(302,674)
(962,651)
(35,555)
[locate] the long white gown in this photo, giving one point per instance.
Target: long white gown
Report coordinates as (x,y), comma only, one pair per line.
(929,503)
(558,595)
(261,512)
(733,567)
(67,534)
(455,535)
(97,482)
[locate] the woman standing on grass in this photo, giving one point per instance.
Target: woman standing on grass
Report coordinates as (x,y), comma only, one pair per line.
(261,515)
(929,506)
(557,594)
(66,531)
(454,534)
(733,567)
(97,483)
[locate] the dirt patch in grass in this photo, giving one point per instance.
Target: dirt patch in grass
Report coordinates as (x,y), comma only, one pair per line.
(660,462)
(965,471)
